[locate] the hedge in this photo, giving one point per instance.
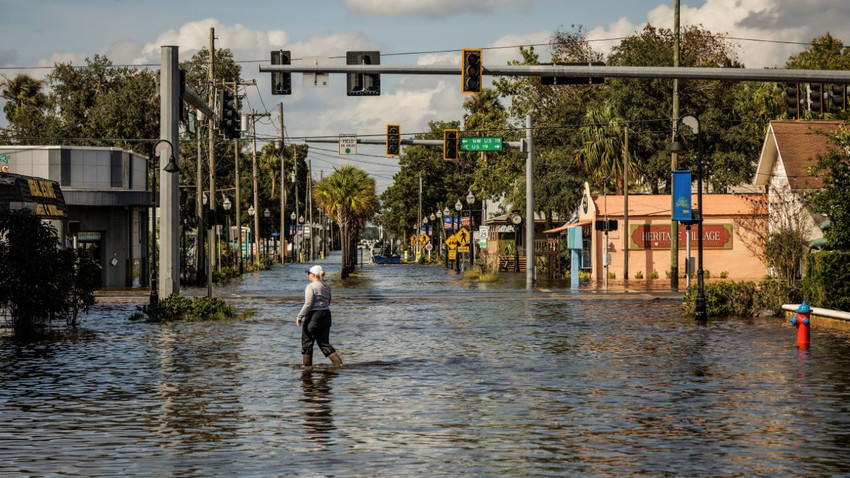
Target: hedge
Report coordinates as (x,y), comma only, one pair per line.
(827,282)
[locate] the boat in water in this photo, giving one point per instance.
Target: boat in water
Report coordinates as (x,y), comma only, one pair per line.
(380,259)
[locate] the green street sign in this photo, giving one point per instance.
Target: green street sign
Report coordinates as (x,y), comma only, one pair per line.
(481,144)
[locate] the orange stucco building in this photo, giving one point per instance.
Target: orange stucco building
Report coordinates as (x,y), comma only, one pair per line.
(645,240)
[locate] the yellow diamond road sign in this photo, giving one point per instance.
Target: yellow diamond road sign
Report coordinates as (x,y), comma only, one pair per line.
(463,236)
(424,239)
(451,242)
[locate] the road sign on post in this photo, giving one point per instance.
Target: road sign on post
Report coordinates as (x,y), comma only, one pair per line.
(347,144)
(481,144)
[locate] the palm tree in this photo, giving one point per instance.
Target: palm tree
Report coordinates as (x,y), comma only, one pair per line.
(21,92)
(348,195)
(600,153)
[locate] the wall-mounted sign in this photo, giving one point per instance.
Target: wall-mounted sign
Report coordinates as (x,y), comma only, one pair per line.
(657,236)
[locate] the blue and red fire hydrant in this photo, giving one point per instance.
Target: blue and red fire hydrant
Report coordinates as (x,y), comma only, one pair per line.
(801,320)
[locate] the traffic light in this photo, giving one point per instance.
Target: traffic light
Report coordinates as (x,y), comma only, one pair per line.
(450,141)
(281,81)
(816,98)
(471,71)
(229,123)
(792,100)
(393,140)
(363,84)
(839,97)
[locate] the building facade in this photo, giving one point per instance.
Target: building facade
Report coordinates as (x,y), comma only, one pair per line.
(107,191)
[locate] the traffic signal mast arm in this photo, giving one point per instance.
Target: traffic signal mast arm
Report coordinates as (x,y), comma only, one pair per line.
(519,145)
(585,71)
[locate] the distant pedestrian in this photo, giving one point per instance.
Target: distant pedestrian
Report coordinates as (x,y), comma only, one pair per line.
(316,318)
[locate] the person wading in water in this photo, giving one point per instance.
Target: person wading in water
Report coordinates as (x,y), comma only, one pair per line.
(316,318)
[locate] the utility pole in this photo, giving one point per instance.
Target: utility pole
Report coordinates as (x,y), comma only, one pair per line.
(238,194)
(674,160)
(282,190)
(625,233)
(211,135)
(529,204)
(419,218)
(253,116)
(297,215)
(199,192)
(309,201)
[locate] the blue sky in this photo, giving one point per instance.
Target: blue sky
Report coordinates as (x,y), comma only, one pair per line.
(41,32)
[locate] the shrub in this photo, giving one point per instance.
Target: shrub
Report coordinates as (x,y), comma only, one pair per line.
(724,275)
(654,274)
(724,299)
(225,274)
(176,307)
(639,275)
(40,282)
(773,292)
(478,274)
(612,275)
(827,282)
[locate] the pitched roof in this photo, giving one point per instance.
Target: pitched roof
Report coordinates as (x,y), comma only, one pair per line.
(797,144)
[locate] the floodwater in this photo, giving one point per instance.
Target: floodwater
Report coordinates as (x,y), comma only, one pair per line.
(441,379)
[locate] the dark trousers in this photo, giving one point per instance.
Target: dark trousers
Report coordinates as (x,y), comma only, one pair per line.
(316,329)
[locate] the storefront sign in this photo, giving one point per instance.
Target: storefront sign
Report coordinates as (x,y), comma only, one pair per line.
(657,236)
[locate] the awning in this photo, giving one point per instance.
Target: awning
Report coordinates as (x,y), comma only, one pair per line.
(584,222)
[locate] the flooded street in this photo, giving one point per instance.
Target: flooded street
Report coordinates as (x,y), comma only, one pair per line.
(442,378)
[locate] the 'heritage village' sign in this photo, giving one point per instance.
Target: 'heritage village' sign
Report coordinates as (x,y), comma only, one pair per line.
(657,236)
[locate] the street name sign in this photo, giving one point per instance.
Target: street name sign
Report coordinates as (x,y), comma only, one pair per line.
(347,144)
(481,144)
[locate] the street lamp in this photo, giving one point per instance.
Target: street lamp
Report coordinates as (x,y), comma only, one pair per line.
(267,214)
(170,167)
(470,200)
(678,147)
(458,208)
(446,212)
(251,213)
(227,205)
(293,228)
(301,223)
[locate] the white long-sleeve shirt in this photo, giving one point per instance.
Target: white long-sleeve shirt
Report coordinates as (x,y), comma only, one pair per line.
(317,296)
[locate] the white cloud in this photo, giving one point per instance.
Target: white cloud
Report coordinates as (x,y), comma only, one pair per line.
(779,20)
(432,8)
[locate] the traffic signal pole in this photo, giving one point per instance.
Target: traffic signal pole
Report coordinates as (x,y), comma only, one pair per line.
(585,71)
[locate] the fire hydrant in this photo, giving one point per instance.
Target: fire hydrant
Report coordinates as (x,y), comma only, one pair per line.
(801,321)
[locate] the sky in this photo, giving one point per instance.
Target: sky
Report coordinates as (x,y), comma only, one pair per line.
(39,33)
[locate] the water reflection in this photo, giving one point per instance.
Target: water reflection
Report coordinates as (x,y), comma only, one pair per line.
(315,404)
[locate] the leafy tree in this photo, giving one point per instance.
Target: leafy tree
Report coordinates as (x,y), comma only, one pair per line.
(348,195)
(825,53)
(39,281)
(833,200)
(444,182)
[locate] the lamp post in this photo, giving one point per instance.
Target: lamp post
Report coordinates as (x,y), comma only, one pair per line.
(170,167)
(458,208)
(227,205)
(470,200)
(301,223)
(252,242)
(441,214)
(435,240)
(679,147)
(445,213)
(267,214)
(293,228)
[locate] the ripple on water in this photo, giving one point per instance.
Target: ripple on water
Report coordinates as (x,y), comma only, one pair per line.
(441,378)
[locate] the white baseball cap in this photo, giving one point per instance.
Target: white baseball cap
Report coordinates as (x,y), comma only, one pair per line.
(315,270)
